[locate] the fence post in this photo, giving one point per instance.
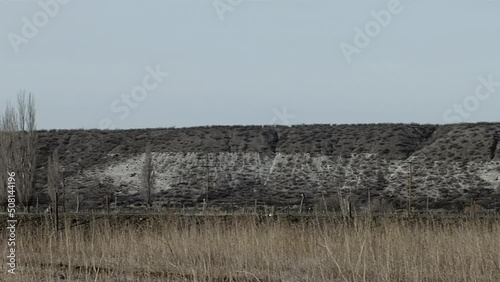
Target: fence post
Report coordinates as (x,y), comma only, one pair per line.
(57,212)
(77,202)
(301,203)
(107,204)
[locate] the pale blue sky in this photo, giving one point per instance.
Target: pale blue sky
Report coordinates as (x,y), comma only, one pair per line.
(253,62)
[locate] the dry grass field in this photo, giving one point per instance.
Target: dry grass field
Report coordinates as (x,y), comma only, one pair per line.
(249,249)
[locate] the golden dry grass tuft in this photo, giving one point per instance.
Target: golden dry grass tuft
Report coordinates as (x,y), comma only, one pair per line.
(174,249)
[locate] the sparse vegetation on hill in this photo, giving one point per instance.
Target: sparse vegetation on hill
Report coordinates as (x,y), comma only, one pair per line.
(453,165)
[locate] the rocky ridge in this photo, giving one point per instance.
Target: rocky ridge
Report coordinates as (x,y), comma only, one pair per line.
(319,165)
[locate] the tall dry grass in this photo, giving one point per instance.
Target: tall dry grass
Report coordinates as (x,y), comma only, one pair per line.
(172,249)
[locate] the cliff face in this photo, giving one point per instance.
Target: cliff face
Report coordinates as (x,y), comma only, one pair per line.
(320,165)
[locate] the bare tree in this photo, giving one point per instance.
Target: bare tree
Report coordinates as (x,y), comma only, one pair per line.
(18,142)
(54,184)
(53,178)
(148,175)
(4,167)
(8,146)
(25,153)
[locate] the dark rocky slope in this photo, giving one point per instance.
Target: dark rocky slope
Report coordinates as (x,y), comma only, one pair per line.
(453,165)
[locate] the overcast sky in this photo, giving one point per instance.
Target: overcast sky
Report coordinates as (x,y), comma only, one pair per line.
(96,64)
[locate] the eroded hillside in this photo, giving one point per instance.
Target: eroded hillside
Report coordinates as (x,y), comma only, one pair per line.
(453,165)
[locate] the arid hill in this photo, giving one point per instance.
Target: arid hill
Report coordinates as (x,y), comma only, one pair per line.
(320,165)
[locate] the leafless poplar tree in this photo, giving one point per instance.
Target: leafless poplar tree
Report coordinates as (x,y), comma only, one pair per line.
(18,142)
(8,125)
(28,147)
(148,175)
(53,178)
